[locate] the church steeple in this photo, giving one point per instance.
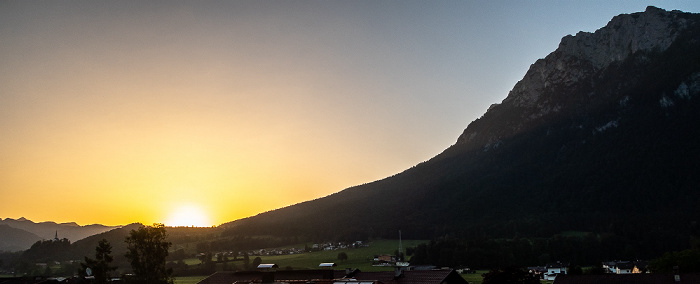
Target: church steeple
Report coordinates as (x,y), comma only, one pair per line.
(55,239)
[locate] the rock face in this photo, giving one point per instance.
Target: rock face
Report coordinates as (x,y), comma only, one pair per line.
(652,30)
(577,59)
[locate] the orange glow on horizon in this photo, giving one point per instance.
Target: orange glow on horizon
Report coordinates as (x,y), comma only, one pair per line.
(187,216)
(116,113)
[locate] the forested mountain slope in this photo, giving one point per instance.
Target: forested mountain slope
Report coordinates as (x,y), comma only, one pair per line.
(601,136)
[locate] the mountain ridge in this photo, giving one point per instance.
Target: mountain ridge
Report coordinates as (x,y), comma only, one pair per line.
(601,131)
(13,239)
(48,230)
(580,56)
(596,140)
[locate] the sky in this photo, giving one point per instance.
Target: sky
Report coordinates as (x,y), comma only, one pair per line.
(204,112)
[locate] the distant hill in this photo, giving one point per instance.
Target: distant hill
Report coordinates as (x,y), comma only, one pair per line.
(601,136)
(116,237)
(48,230)
(13,239)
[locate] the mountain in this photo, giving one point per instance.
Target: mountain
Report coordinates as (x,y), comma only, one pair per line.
(12,239)
(600,136)
(49,230)
(115,237)
(62,250)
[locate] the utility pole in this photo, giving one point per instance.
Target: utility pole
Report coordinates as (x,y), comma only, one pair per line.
(400,256)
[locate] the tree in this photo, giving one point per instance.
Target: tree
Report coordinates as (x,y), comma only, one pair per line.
(22,267)
(146,251)
(511,275)
(256,261)
(224,259)
(409,251)
(246,261)
(100,265)
(342,256)
(686,260)
(399,255)
(207,263)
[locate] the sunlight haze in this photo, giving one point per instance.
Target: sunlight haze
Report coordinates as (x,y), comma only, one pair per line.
(201,113)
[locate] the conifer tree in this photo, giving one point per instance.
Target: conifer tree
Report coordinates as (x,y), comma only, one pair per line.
(99,266)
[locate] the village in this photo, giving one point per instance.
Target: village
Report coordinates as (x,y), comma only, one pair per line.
(363,261)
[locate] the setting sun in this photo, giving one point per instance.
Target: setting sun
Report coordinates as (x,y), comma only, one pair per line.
(188,215)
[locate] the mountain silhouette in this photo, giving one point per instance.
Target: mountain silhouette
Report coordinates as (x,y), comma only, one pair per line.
(601,136)
(46,231)
(13,239)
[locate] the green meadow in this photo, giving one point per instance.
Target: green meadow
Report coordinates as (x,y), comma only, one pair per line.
(357,258)
(360,258)
(189,279)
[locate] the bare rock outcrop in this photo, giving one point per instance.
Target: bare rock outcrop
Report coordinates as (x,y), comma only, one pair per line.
(575,60)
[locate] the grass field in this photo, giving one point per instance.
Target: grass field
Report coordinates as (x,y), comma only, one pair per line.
(360,258)
(192,261)
(188,279)
(474,278)
(357,258)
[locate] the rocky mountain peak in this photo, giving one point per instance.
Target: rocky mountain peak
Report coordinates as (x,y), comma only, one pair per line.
(577,58)
(652,30)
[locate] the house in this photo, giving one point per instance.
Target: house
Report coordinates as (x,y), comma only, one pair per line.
(554,269)
(326,276)
(638,278)
(625,267)
(386,257)
(538,271)
(609,266)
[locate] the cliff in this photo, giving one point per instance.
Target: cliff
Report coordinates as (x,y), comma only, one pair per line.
(573,65)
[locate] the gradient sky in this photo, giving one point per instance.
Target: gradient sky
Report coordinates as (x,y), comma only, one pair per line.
(116,112)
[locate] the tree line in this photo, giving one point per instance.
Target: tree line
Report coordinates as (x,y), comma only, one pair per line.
(146,252)
(524,252)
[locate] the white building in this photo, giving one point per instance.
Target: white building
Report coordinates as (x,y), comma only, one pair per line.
(554,269)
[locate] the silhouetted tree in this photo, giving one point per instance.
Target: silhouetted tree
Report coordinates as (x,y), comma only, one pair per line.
(256,261)
(100,264)
(399,255)
(595,270)
(208,264)
(177,255)
(22,267)
(224,259)
(409,251)
(342,256)
(246,261)
(47,250)
(574,269)
(146,251)
(686,260)
(511,275)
